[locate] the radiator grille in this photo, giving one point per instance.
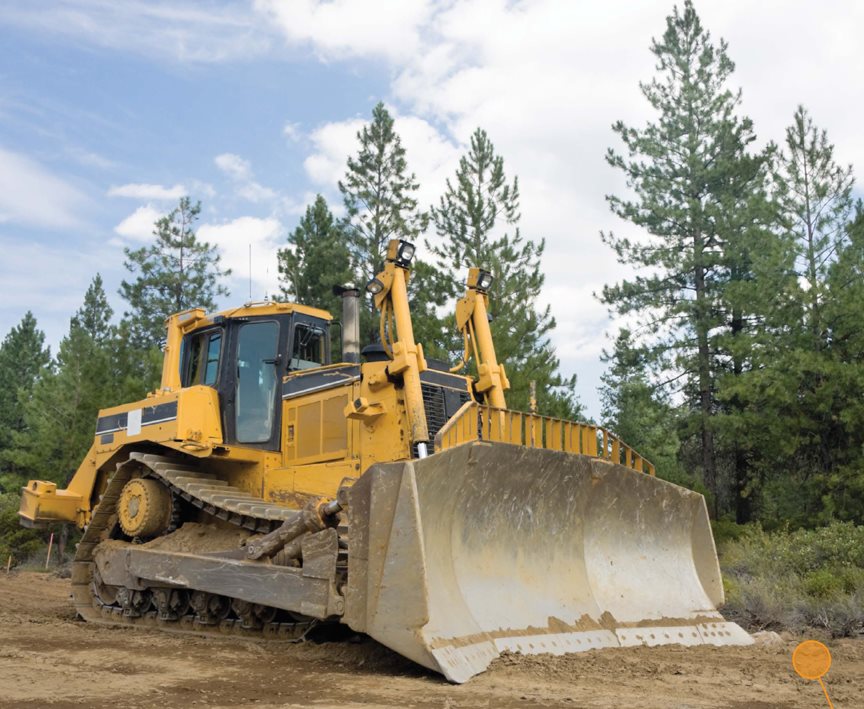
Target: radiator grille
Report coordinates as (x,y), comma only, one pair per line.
(440,403)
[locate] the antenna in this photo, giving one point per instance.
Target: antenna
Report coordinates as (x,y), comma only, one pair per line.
(250,271)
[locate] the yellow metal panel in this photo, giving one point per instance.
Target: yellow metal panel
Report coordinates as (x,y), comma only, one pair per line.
(334,428)
(516,428)
(588,440)
(572,432)
(554,434)
(536,432)
(289,438)
(309,430)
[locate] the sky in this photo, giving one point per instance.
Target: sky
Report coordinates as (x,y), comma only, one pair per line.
(109,112)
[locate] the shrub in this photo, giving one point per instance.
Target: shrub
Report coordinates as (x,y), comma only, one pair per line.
(806,579)
(15,540)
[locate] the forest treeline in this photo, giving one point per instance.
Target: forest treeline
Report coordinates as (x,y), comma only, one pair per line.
(737,367)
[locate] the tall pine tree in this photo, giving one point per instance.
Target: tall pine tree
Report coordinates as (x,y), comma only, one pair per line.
(699,197)
(477,224)
(817,377)
(380,199)
(176,272)
(815,195)
(24,359)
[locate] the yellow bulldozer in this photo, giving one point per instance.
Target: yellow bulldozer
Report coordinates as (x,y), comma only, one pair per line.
(264,489)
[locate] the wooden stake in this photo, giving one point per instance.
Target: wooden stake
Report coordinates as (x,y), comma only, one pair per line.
(50,544)
(8,564)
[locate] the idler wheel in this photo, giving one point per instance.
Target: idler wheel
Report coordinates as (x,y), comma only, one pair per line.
(106,594)
(144,509)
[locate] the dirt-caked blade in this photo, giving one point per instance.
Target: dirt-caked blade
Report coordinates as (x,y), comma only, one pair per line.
(491,547)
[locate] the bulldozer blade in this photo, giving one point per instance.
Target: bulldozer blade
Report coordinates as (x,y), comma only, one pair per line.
(491,547)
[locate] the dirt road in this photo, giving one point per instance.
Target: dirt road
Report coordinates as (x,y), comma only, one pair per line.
(47,657)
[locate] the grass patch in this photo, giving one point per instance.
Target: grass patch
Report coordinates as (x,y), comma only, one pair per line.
(799,581)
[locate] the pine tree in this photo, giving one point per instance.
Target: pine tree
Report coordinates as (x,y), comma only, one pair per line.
(23,361)
(841,399)
(634,410)
(379,195)
(316,259)
(134,371)
(61,411)
(175,273)
(700,196)
(477,224)
(815,195)
(94,316)
(809,379)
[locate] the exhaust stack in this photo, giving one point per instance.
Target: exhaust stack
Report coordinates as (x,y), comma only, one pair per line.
(350,322)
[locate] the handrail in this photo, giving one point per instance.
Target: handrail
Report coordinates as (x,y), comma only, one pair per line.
(475,422)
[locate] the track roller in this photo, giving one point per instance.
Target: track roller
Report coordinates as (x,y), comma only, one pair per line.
(210,608)
(171,603)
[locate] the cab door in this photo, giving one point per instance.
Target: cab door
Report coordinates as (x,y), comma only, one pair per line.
(252,389)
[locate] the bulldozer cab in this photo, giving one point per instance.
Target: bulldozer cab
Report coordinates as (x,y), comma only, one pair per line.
(244,360)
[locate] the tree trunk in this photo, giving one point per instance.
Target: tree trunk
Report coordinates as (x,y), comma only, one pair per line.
(709,469)
(742,474)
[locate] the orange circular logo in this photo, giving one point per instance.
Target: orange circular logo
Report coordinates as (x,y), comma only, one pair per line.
(811,659)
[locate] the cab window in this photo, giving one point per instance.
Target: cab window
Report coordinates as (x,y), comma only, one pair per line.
(201,358)
(257,345)
(307,350)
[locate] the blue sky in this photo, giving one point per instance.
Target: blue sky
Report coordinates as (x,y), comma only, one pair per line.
(110,111)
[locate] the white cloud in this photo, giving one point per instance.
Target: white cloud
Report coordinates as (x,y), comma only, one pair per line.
(31,195)
(234,166)
(240,170)
(233,239)
(345,28)
(138,226)
(332,143)
(145,191)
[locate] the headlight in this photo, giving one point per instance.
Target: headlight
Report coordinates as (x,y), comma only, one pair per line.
(484,281)
(374,287)
(405,253)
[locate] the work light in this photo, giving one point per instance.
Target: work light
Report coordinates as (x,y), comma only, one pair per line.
(405,253)
(374,287)
(484,281)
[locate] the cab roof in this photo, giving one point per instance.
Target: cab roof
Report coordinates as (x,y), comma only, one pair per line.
(196,318)
(271,307)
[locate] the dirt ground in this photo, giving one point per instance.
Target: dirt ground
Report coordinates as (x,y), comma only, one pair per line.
(47,657)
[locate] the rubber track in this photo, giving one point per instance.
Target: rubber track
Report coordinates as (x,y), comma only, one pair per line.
(218,499)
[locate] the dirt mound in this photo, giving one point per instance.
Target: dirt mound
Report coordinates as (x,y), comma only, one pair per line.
(49,658)
(194,537)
